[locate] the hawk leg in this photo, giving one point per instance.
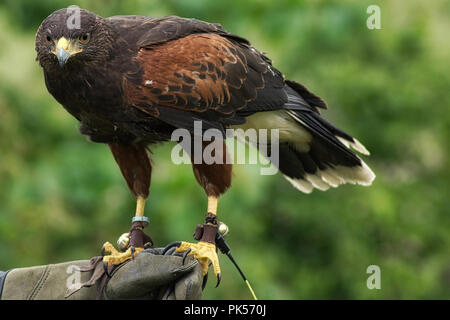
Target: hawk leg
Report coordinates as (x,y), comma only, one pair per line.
(134,163)
(215,178)
(205,250)
(130,243)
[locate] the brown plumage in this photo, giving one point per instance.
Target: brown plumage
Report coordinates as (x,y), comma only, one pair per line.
(132,80)
(214,178)
(198,72)
(134,163)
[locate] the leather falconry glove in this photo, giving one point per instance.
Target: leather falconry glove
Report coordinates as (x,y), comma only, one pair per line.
(152,274)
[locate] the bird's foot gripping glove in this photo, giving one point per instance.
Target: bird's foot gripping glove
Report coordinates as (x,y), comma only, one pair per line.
(205,250)
(130,243)
(151,275)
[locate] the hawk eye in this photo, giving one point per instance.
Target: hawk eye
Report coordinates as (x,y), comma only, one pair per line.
(84,38)
(48,39)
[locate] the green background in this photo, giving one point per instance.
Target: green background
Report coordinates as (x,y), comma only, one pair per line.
(61,196)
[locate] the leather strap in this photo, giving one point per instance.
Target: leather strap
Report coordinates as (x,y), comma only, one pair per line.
(2,281)
(95,264)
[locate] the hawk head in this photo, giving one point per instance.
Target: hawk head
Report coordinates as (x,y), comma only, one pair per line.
(71,37)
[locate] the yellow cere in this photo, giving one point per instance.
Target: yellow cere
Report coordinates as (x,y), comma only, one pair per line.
(70,46)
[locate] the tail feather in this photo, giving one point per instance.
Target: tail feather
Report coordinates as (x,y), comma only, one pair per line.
(329,161)
(354,144)
(313,153)
(326,174)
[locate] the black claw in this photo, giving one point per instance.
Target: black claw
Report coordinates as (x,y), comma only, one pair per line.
(185,254)
(219,277)
(205,280)
(148,245)
(105,267)
(170,251)
(171,245)
(132,251)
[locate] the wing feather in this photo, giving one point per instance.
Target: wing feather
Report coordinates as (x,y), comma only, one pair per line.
(205,74)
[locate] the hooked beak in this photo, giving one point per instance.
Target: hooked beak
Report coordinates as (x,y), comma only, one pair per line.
(62,56)
(64,49)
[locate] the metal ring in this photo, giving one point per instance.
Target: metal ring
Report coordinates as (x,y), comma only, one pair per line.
(140,219)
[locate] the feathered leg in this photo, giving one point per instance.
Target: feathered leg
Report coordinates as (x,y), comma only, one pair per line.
(134,163)
(215,178)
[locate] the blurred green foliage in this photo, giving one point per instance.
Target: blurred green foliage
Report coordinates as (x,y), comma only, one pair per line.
(61,196)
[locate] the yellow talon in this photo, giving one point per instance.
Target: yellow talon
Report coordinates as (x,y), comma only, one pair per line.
(115,257)
(205,252)
(108,249)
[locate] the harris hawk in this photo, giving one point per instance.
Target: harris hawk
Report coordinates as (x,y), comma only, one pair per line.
(132,80)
